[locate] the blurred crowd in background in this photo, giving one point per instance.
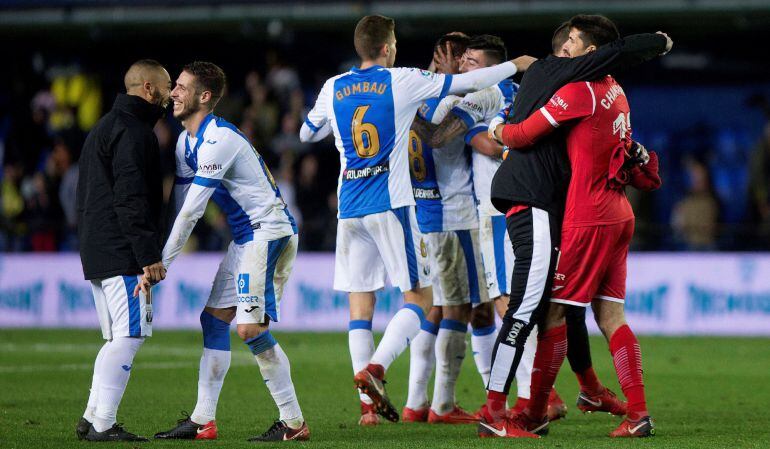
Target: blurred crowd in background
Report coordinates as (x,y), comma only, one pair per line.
(716,192)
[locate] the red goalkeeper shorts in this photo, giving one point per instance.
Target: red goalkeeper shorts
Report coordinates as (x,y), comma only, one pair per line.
(592,264)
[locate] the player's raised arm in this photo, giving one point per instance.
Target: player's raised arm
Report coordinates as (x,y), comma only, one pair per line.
(488,76)
(618,54)
(316,125)
(571,102)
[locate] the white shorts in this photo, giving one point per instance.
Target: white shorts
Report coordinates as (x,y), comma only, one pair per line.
(497,253)
(458,274)
(121,314)
(252,276)
(379,246)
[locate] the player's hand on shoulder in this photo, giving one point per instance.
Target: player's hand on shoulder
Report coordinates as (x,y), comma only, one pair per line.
(522,63)
(669,42)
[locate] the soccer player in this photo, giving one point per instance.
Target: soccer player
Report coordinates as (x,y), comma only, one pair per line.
(533,182)
(471,117)
(119,202)
(443,190)
(597,228)
(369,110)
(216,161)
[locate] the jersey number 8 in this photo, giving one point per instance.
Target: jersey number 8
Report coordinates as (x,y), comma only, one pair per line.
(366,139)
(416,159)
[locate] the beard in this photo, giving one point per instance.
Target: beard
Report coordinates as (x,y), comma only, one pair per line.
(188,110)
(159,100)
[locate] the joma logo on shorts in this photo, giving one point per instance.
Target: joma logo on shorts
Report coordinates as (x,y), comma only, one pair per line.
(515,329)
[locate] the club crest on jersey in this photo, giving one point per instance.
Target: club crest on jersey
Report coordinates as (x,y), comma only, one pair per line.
(423,248)
(427,74)
(243,283)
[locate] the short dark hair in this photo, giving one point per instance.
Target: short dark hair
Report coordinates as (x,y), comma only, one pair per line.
(208,77)
(595,29)
(493,47)
(559,37)
(372,32)
(458,43)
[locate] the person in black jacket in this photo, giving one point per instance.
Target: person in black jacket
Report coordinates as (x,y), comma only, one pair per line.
(119,199)
(530,188)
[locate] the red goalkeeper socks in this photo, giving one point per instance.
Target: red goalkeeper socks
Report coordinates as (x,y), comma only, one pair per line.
(550,354)
(589,383)
(496,405)
(627,357)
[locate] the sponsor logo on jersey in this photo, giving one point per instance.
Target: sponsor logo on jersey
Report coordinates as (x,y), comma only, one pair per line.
(426,194)
(350,174)
(209,168)
(211,142)
(243,283)
(559,101)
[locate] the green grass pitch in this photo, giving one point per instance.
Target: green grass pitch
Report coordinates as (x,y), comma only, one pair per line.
(703,393)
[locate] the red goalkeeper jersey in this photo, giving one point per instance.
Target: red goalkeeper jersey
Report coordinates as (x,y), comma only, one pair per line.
(598,115)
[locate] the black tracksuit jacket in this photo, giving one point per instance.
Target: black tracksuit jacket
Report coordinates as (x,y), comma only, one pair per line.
(119,196)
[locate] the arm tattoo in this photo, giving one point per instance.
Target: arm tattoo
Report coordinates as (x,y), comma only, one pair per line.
(451,127)
(423,128)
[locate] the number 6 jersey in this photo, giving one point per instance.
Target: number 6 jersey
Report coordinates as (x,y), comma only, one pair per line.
(370,112)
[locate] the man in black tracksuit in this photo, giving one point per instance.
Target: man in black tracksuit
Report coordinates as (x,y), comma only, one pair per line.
(119,201)
(530,187)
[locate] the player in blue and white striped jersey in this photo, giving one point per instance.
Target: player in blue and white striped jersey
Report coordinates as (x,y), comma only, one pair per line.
(470,117)
(446,214)
(216,161)
(369,110)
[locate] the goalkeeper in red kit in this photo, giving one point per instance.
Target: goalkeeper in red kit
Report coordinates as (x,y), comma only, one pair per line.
(597,228)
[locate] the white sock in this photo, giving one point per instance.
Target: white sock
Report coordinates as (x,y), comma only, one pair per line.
(115,369)
(482,345)
(450,352)
(401,330)
(524,371)
(361,344)
(276,372)
(211,375)
(91,407)
(422,359)
(214,364)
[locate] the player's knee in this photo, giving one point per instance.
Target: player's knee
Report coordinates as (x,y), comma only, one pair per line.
(457,313)
(216,332)
(227,315)
(251,331)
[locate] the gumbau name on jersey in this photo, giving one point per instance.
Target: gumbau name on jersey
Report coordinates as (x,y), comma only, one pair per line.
(365,87)
(426,194)
(366,172)
(612,94)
